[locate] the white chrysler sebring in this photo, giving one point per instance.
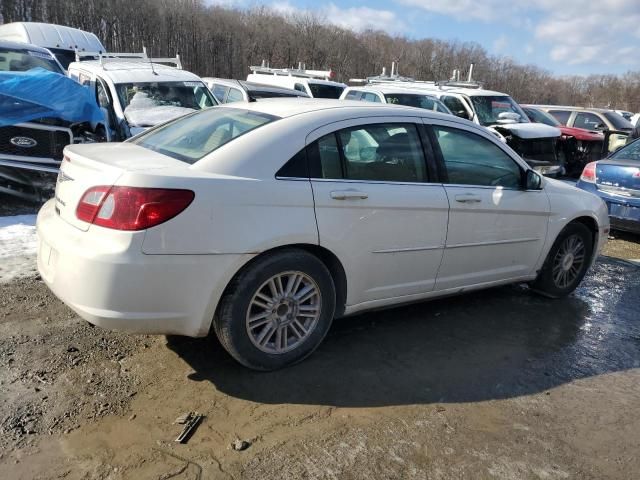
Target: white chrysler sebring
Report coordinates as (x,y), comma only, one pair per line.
(266,221)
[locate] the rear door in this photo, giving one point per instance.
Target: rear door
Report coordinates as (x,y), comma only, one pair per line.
(496,229)
(377,207)
(563,116)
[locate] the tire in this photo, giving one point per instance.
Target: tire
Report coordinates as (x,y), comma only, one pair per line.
(268,335)
(560,275)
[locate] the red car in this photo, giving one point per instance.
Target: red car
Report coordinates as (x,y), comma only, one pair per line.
(578,146)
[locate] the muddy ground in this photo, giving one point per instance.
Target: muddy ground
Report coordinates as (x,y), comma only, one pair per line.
(497,384)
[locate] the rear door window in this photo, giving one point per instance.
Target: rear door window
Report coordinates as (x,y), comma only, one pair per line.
(561,115)
(353,95)
(371,97)
(234,95)
(381,152)
(220,92)
(321,90)
(588,121)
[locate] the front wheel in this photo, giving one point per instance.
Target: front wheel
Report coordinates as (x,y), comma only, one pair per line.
(277,310)
(567,262)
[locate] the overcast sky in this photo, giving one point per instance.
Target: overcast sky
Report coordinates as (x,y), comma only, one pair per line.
(564,36)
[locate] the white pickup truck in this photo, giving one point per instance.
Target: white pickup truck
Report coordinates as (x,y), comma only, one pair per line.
(536,143)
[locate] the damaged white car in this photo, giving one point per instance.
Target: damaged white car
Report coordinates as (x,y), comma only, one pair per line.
(136,92)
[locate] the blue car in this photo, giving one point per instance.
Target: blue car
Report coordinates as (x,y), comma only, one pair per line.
(616,180)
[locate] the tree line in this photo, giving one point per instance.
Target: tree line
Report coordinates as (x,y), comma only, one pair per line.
(224,42)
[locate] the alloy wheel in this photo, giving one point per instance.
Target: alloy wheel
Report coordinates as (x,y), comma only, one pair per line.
(568,261)
(283,312)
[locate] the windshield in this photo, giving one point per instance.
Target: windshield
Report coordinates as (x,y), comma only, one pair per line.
(418,101)
(320,90)
(21,60)
(539,116)
(492,110)
(149,103)
(192,137)
(619,122)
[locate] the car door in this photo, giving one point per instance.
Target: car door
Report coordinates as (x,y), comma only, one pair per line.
(496,228)
(376,206)
(588,121)
(457,106)
(219,91)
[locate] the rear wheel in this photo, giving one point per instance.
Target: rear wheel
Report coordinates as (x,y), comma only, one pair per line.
(567,262)
(277,310)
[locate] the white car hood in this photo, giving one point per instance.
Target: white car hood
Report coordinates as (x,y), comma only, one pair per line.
(530,130)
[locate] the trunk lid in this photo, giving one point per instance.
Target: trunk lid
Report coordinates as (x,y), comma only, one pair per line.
(86,166)
(619,177)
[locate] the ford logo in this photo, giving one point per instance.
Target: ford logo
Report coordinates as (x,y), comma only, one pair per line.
(24,142)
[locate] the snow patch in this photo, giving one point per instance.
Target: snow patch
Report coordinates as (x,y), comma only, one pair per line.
(18,246)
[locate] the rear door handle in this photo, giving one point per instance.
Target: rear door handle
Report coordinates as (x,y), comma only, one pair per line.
(349,195)
(468,198)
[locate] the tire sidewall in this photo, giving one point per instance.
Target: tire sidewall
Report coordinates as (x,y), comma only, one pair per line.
(545,282)
(241,347)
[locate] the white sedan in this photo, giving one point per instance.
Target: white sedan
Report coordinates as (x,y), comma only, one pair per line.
(268,220)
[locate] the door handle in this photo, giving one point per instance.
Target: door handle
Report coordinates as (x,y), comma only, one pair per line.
(349,195)
(468,198)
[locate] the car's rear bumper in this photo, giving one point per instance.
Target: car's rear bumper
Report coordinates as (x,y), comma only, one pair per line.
(104,277)
(624,213)
(625,224)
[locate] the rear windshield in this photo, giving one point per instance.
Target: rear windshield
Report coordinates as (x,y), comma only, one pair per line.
(194,136)
(21,60)
(619,122)
(630,152)
(320,90)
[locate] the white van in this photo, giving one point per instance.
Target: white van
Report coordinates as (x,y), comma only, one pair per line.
(136,92)
(60,40)
(315,83)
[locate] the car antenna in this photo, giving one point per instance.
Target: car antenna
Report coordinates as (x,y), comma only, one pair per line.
(144,50)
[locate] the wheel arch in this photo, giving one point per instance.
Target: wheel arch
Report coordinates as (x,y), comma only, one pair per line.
(591,224)
(327,257)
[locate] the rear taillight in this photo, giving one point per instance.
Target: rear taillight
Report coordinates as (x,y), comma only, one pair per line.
(131,208)
(589,173)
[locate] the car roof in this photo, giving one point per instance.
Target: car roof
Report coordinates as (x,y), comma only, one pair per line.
(300,79)
(576,109)
(23,46)
(134,71)
(228,82)
(253,86)
(343,109)
(50,35)
(392,89)
(433,87)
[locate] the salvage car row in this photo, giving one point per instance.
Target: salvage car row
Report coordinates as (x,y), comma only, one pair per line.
(134,92)
(265,220)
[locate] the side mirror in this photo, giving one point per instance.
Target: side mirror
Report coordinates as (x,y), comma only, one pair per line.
(461,114)
(600,127)
(532,180)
